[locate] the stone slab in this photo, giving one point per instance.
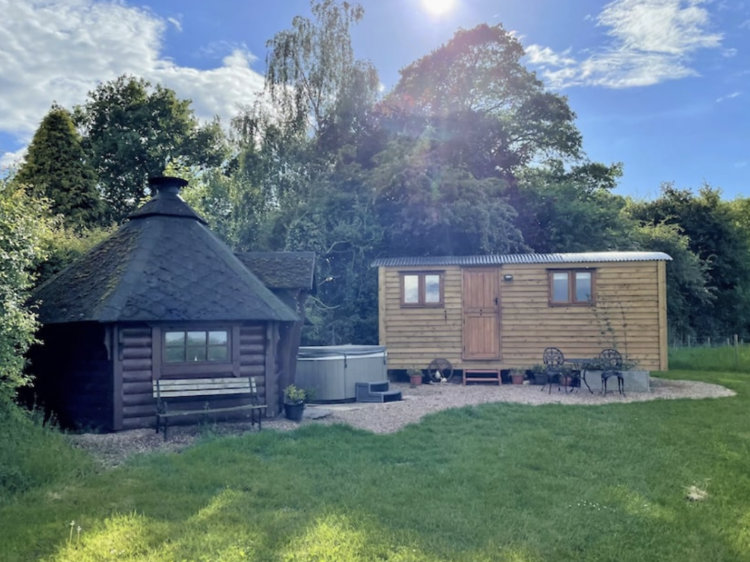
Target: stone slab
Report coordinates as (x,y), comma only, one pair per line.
(635,381)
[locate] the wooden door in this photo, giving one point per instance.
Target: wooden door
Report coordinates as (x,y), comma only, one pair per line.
(481,310)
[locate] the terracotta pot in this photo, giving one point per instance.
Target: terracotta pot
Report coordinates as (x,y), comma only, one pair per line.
(415,380)
(517,379)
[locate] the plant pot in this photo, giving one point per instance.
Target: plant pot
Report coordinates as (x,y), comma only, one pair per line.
(540,378)
(517,379)
(415,380)
(294,412)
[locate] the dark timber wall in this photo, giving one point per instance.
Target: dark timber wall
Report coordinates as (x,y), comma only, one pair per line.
(139,362)
(73,374)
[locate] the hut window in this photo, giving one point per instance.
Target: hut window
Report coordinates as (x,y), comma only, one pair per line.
(571,288)
(422,289)
(196,346)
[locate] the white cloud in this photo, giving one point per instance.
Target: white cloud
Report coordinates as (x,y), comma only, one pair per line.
(58,50)
(728,97)
(650,41)
(10,159)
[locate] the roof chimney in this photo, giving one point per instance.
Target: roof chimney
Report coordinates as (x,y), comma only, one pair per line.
(165,186)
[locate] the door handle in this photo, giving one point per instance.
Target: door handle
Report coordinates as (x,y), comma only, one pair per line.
(496,301)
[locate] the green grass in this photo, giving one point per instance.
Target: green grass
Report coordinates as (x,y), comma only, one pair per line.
(495,482)
(33,455)
(718,359)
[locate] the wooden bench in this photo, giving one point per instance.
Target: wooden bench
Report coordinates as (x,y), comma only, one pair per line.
(173,392)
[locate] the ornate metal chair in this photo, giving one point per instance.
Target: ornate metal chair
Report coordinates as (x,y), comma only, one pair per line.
(611,364)
(553,360)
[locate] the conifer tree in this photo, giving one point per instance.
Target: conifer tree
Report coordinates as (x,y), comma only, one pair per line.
(56,168)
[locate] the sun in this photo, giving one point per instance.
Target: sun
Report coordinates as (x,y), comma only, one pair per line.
(437,7)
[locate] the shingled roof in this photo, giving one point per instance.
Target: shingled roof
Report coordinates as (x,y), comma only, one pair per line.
(163,264)
(282,270)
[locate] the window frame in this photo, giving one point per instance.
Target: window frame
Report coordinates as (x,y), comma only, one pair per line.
(186,329)
(571,287)
(421,289)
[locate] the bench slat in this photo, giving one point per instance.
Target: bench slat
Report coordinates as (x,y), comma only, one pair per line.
(200,392)
(229,409)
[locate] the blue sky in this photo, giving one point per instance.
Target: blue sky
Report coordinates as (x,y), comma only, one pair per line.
(662,86)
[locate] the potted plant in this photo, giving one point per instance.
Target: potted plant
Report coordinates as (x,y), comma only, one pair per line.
(539,374)
(294,402)
(517,376)
(415,377)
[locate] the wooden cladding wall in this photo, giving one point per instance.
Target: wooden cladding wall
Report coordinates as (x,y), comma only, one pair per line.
(627,316)
(139,352)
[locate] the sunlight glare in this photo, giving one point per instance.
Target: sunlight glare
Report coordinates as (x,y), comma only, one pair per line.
(437,7)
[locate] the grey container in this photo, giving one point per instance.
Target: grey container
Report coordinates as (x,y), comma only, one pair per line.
(332,372)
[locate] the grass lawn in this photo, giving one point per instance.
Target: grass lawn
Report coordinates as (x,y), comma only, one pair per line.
(494,482)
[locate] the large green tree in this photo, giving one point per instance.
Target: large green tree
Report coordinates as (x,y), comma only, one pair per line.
(133,130)
(55,168)
(492,114)
(724,249)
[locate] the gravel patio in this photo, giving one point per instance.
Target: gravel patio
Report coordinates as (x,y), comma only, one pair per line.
(112,449)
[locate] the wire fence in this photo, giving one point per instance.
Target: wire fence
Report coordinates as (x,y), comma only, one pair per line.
(710,354)
(692,341)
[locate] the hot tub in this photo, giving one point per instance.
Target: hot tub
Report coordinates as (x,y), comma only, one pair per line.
(332,371)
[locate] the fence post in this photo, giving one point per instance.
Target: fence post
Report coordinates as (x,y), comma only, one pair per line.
(708,342)
(689,341)
(736,352)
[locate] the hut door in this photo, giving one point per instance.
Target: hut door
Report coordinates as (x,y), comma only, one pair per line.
(481,309)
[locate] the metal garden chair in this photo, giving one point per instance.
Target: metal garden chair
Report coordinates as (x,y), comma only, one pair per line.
(554,361)
(611,364)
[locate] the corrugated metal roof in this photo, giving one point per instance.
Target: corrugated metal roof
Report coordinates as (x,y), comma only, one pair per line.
(502,259)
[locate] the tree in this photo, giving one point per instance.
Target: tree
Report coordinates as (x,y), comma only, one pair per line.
(312,74)
(571,211)
(427,207)
(491,112)
(22,226)
(55,168)
(709,224)
(131,132)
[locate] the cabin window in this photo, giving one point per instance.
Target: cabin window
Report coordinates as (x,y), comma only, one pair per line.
(422,289)
(571,288)
(196,346)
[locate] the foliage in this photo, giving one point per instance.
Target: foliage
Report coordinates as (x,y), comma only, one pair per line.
(56,169)
(132,131)
(312,75)
(722,247)
(22,228)
(492,113)
(294,395)
(61,246)
(571,211)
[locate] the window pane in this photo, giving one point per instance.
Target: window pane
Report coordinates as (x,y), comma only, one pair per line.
(196,353)
(196,338)
(174,339)
(411,289)
(560,287)
(217,338)
(583,286)
(432,288)
(217,353)
(175,354)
